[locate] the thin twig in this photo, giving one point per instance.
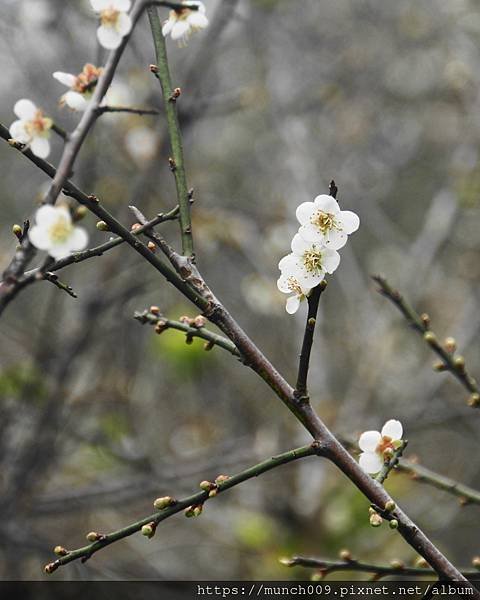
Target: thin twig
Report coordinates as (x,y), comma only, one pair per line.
(451,362)
(170,96)
(348,566)
(392,463)
(49,276)
(194,500)
(190,330)
(127,109)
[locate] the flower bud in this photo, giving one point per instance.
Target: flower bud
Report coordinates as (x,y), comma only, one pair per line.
(393,524)
(421,563)
(474,400)
(151,246)
(102,226)
(207,346)
(287,562)
(155,310)
(459,363)
(199,321)
(476,562)
(163,502)
(206,486)
(376,520)
(149,529)
(93,536)
(390,506)
(221,479)
(60,551)
(135,227)
(430,337)
(17,231)
(439,367)
(80,213)
(185,320)
(345,555)
(425,318)
(212,492)
(397,564)
(450,344)
(51,567)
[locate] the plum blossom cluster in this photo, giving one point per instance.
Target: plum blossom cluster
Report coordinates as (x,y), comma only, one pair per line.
(55,232)
(115,22)
(378,446)
(181,23)
(81,86)
(324,229)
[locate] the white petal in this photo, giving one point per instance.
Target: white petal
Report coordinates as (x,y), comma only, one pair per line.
(349,221)
(369,441)
(40,146)
(123,5)
(124,24)
(393,429)
(60,250)
(75,101)
(180,29)
(304,212)
(309,280)
(39,237)
(99,5)
(312,234)
(78,240)
(327,203)
(299,245)
(288,263)
(336,239)
(201,5)
(109,37)
(282,284)
(19,133)
(370,462)
(330,260)
(25,109)
(167,27)
(65,78)
(292,304)
(47,215)
(197,20)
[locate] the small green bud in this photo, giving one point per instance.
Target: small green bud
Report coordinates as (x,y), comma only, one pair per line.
(287,562)
(393,524)
(390,506)
(149,530)
(93,536)
(17,231)
(459,362)
(397,564)
(474,400)
(51,567)
(376,520)
(102,226)
(60,551)
(345,555)
(221,479)
(430,337)
(439,367)
(163,502)
(206,486)
(476,562)
(450,344)
(80,213)
(421,563)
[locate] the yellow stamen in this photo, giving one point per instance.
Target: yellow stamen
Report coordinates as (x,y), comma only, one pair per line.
(312,259)
(109,17)
(60,231)
(324,221)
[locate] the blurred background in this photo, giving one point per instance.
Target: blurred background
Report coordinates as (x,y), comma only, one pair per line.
(99,416)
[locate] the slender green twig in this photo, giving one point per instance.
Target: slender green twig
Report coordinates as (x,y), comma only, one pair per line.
(195,500)
(392,463)
(451,362)
(170,96)
(347,566)
(190,330)
(127,109)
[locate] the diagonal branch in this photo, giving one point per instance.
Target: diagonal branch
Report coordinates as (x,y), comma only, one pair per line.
(455,364)
(222,484)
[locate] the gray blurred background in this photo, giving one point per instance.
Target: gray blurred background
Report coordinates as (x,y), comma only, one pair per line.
(99,416)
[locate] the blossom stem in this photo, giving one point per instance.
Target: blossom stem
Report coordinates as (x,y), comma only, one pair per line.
(392,463)
(422,327)
(195,499)
(301,390)
(177,164)
(352,565)
(59,131)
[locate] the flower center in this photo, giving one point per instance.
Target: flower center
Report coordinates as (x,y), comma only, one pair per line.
(39,125)
(181,14)
(294,286)
(385,444)
(312,259)
(60,231)
(87,79)
(324,221)
(109,17)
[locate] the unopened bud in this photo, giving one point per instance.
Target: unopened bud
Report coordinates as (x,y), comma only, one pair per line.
(102,226)
(206,486)
(474,400)
(421,563)
(213,492)
(287,562)
(199,321)
(397,564)
(155,310)
(194,511)
(459,363)
(160,327)
(151,246)
(60,551)
(376,520)
(476,562)
(135,227)
(51,567)
(186,320)
(430,337)
(345,555)
(93,536)
(175,94)
(207,346)
(439,367)
(450,344)
(371,511)
(80,213)
(317,576)
(393,524)
(17,231)
(221,479)
(425,318)
(153,69)
(163,502)
(149,529)
(390,506)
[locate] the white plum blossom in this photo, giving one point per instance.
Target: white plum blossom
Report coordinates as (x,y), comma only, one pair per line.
(288,284)
(81,86)
(323,222)
(54,232)
(181,23)
(376,445)
(309,262)
(32,128)
(115,22)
